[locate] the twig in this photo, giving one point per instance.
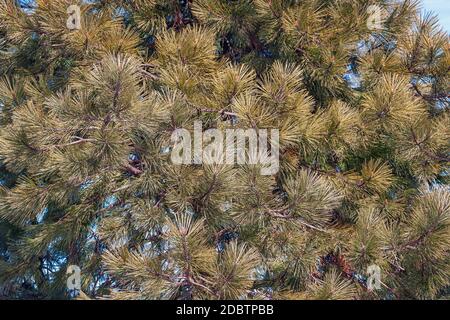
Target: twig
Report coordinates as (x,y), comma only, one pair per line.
(133,170)
(274,214)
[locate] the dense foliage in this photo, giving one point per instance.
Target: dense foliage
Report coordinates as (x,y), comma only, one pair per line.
(86,117)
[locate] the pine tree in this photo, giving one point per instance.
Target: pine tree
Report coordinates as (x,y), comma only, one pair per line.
(87,115)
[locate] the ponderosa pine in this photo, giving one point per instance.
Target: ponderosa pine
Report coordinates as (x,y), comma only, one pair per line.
(86,117)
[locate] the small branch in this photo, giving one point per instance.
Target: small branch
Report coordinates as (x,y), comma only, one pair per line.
(276,214)
(201,286)
(150,75)
(222,112)
(121,188)
(135,171)
(419,145)
(80,140)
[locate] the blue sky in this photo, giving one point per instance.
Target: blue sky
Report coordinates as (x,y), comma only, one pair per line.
(441,8)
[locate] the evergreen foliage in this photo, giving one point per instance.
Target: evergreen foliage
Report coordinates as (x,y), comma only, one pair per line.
(86,118)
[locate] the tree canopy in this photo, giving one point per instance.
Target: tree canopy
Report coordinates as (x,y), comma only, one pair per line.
(87,114)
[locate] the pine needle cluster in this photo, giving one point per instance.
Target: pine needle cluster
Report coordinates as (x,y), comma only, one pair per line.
(86,118)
